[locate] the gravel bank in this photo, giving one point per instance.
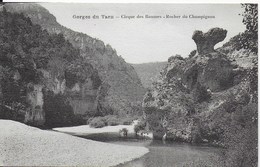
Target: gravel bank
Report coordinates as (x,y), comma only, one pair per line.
(86,129)
(28,146)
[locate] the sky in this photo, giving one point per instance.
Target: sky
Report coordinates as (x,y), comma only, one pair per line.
(148,39)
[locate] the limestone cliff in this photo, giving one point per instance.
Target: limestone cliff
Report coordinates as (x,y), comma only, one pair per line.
(195,96)
(37,70)
(121,87)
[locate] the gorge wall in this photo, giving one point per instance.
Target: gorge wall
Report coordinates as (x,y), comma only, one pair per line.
(120,90)
(196,96)
(98,83)
(43,75)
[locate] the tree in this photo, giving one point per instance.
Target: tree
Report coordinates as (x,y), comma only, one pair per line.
(249,39)
(241,137)
(124,131)
(251,17)
(26,52)
(139,126)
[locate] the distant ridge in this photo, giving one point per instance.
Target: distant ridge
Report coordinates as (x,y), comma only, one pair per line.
(149,72)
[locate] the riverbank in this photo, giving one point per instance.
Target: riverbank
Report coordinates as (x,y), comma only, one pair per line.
(87,130)
(22,145)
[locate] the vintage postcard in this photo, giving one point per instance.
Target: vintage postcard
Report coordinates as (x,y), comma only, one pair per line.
(128,84)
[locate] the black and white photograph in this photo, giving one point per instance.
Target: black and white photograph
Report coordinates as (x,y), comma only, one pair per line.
(128,84)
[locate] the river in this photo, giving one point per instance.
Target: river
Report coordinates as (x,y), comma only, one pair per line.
(163,153)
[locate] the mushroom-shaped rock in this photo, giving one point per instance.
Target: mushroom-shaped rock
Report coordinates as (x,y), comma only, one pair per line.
(206,41)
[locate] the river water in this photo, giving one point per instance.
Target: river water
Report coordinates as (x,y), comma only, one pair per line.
(165,154)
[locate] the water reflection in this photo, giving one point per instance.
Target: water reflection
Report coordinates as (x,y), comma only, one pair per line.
(163,153)
(168,154)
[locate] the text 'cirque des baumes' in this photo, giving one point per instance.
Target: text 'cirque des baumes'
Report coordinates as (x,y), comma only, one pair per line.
(146,16)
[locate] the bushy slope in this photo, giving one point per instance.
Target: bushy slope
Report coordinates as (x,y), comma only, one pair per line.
(121,87)
(197,97)
(36,70)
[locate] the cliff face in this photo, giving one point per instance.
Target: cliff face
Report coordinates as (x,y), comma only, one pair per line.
(35,113)
(121,88)
(195,96)
(81,96)
(37,70)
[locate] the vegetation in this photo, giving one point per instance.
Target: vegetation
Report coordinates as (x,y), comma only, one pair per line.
(109,120)
(124,131)
(149,96)
(126,121)
(200,93)
(250,19)
(112,121)
(140,126)
(26,53)
(249,38)
(97,122)
(156,119)
(241,137)
(226,117)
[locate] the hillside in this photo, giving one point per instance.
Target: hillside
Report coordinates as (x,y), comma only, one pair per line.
(121,87)
(41,75)
(149,72)
(209,97)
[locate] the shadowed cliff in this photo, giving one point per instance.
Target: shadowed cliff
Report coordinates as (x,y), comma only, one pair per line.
(120,90)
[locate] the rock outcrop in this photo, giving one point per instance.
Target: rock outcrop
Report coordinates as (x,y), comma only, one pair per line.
(43,75)
(35,113)
(206,41)
(195,95)
(120,89)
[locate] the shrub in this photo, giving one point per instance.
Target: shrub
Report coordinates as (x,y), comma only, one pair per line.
(112,121)
(78,120)
(108,120)
(126,121)
(140,126)
(124,131)
(250,14)
(149,97)
(97,122)
(241,137)
(7,113)
(201,94)
(89,120)
(155,118)
(177,56)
